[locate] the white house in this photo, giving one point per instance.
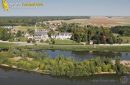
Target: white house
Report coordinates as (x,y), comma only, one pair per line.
(62,36)
(41,35)
(7,27)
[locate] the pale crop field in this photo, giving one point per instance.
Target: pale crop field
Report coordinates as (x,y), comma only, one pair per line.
(99,21)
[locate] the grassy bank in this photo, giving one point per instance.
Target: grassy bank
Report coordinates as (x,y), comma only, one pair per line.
(6,45)
(100,48)
(65,66)
(27,60)
(81,48)
(125,39)
(65,42)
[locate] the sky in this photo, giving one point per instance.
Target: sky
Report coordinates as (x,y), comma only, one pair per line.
(71,8)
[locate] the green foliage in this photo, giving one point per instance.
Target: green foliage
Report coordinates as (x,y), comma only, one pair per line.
(122,30)
(29,40)
(100,35)
(52,41)
(4,34)
(51,33)
(59,66)
(19,34)
(62,66)
(65,42)
(120,69)
(29,21)
(31,31)
(98,69)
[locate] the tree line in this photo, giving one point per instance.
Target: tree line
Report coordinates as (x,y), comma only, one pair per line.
(99,35)
(61,66)
(121,30)
(25,21)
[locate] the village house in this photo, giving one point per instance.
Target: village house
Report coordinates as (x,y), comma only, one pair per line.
(41,35)
(28,36)
(7,27)
(50,24)
(62,36)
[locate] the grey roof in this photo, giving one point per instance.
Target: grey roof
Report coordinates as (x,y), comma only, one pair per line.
(65,34)
(40,33)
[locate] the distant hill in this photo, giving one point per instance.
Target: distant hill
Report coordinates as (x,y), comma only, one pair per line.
(99,21)
(31,20)
(83,20)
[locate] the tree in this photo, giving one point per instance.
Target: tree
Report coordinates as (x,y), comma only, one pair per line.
(110,40)
(19,34)
(33,41)
(5,34)
(51,33)
(29,40)
(53,41)
(31,31)
(120,69)
(89,35)
(84,38)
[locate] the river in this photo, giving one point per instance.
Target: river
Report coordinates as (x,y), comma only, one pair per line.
(83,55)
(17,77)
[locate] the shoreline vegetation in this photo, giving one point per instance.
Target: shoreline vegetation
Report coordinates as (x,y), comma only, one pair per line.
(14,67)
(78,71)
(22,58)
(100,48)
(91,48)
(68,67)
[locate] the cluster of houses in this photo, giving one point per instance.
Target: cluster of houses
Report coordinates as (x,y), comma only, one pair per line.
(52,25)
(43,35)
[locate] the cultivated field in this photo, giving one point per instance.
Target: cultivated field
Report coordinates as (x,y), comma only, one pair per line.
(99,21)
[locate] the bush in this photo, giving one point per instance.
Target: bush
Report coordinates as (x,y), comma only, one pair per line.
(98,69)
(105,68)
(29,40)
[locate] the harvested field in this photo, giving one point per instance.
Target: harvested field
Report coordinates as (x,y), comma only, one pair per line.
(99,21)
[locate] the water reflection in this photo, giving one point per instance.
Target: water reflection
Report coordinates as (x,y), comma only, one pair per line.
(17,77)
(83,55)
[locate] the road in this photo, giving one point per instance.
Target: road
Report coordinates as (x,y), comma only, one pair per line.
(17,43)
(25,43)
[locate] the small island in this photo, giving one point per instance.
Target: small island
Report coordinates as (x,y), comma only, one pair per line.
(28,60)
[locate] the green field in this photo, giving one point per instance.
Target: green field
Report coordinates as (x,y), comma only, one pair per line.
(125,39)
(81,48)
(99,48)
(66,42)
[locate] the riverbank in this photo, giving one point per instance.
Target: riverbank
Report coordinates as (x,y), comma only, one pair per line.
(43,73)
(96,47)
(102,48)
(65,66)
(15,67)
(40,72)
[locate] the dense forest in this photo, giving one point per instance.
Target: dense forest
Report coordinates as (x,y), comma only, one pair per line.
(32,20)
(99,35)
(122,30)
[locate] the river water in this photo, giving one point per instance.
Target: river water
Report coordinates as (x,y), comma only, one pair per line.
(17,77)
(83,55)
